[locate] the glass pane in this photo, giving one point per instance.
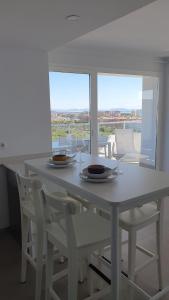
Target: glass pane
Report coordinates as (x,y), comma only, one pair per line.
(149,119)
(119,107)
(127,109)
(69,97)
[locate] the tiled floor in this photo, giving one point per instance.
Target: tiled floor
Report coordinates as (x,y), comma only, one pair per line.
(11,289)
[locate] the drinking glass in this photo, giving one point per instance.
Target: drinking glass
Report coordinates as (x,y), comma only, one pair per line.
(79,152)
(118,158)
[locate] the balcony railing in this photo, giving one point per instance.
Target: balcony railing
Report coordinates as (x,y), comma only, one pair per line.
(75,135)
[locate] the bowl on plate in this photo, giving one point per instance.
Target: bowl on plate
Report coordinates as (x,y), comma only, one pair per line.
(107,172)
(60,159)
(96,169)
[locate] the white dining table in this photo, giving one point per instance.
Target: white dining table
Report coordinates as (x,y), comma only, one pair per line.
(132,187)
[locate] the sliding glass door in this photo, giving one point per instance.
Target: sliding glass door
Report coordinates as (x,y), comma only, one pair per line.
(127,115)
(70,125)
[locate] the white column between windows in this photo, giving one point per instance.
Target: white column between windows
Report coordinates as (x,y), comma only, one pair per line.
(93,113)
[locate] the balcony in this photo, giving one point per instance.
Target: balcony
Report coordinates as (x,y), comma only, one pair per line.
(76,136)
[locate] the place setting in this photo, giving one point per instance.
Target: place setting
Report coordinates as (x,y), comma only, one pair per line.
(61,161)
(98,173)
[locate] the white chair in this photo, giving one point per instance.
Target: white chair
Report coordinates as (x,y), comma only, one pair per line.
(124,147)
(133,220)
(32,226)
(76,236)
(31,211)
(124,139)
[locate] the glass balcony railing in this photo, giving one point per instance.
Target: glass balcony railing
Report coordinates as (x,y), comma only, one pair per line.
(74,135)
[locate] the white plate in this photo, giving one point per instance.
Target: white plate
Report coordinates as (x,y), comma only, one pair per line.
(104,175)
(98,180)
(57,166)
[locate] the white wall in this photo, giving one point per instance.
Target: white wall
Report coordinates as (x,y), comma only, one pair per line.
(24,102)
(24,109)
(103,61)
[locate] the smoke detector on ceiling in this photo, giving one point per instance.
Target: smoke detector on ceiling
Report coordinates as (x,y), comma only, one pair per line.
(72,17)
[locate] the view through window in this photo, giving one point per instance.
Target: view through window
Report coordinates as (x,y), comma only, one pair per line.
(119,107)
(127,112)
(69,96)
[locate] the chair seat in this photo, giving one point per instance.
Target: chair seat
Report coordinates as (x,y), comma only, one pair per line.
(138,216)
(29,207)
(67,197)
(89,229)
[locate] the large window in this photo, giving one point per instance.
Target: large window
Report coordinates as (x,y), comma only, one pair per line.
(122,109)
(69,96)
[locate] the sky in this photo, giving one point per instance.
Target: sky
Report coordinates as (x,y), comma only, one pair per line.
(71,91)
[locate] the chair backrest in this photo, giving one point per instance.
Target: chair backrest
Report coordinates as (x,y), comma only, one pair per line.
(124,139)
(29,190)
(66,209)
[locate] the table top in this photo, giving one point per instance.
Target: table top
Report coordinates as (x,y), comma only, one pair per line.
(136,185)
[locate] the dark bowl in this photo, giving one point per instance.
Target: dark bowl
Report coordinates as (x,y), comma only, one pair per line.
(96,169)
(59,157)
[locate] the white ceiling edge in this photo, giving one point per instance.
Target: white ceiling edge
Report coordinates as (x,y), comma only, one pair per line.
(66,59)
(102,52)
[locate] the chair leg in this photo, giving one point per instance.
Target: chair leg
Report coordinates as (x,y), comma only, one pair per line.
(25,232)
(99,280)
(159,261)
(39,272)
(90,278)
(49,269)
(90,282)
(39,266)
(120,248)
(131,254)
(131,260)
(81,272)
(73,276)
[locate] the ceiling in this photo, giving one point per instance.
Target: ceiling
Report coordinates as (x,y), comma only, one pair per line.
(145,30)
(41,24)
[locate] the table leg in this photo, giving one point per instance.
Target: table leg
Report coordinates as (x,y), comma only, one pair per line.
(115,257)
